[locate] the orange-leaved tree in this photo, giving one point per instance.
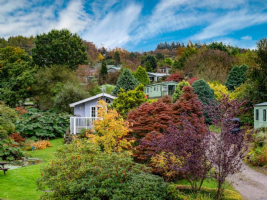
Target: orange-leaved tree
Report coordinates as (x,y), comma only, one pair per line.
(110,129)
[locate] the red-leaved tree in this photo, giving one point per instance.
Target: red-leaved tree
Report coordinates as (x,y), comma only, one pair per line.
(192,80)
(178,77)
(226,147)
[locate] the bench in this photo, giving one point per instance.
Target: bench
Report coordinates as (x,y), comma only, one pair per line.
(4,169)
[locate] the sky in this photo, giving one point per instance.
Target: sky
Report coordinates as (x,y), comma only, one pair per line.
(139,25)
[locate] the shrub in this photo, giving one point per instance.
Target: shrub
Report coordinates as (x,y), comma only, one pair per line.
(42,124)
(16,137)
(127,101)
(70,93)
(220,90)
(81,171)
(41,144)
(7,119)
(179,90)
(9,151)
(258,152)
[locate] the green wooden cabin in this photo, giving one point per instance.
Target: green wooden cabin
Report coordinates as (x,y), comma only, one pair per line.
(158,90)
(260,115)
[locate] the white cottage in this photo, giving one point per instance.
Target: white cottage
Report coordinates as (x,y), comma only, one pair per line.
(85,112)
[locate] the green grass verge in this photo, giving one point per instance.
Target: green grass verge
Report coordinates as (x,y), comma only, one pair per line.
(20,183)
(207,183)
(183,192)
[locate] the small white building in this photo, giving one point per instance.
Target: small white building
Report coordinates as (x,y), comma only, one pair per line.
(85,112)
(154,77)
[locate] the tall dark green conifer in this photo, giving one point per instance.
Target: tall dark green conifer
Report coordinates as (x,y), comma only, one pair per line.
(104,69)
(126,81)
(117,59)
(236,77)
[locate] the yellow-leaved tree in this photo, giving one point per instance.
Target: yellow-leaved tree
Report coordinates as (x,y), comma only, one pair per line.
(100,57)
(110,129)
(219,90)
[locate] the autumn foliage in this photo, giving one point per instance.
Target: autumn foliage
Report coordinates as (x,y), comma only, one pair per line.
(150,121)
(41,145)
(110,129)
(178,77)
(16,137)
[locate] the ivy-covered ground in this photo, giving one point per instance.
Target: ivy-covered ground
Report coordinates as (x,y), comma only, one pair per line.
(21,183)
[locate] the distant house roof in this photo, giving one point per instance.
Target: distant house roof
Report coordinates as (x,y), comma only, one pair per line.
(262,104)
(92,98)
(116,67)
(163,83)
(157,74)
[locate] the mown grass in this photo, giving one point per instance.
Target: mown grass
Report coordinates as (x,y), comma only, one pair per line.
(20,183)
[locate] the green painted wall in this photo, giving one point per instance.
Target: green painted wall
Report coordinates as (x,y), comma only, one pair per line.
(158,90)
(259,119)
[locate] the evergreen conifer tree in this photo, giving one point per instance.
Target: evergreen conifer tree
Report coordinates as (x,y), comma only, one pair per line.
(142,76)
(236,77)
(117,58)
(126,81)
(148,67)
(104,69)
(205,94)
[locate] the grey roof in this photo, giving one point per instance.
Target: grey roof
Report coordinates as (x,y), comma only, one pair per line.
(162,83)
(114,66)
(157,74)
(91,98)
(262,104)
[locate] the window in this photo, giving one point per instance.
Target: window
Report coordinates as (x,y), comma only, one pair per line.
(154,88)
(264,115)
(108,100)
(93,113)
(257,114)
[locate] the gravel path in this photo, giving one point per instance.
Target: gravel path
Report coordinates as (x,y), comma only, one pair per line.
(252,185)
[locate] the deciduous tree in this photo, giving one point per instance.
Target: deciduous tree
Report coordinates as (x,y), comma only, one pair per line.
(59,47)
(111,129)
(226,149)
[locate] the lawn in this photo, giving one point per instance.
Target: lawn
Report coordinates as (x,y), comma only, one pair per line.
(21,183)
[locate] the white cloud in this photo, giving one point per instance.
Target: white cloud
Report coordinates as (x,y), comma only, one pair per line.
(234,20)
(247,37)
(115,28)
(169,16)
(27,19)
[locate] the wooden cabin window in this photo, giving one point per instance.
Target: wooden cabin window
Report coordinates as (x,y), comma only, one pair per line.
(257,114)
(264,115)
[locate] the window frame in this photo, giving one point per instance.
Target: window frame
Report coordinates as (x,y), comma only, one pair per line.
(264,114)
(257,114)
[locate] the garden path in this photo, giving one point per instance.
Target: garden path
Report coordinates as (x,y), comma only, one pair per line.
(252,185)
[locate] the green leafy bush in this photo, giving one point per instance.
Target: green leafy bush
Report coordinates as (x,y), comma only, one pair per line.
(8,150)
(258,152)
(81,171)
(70,93)
(42,124)
(8,117)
